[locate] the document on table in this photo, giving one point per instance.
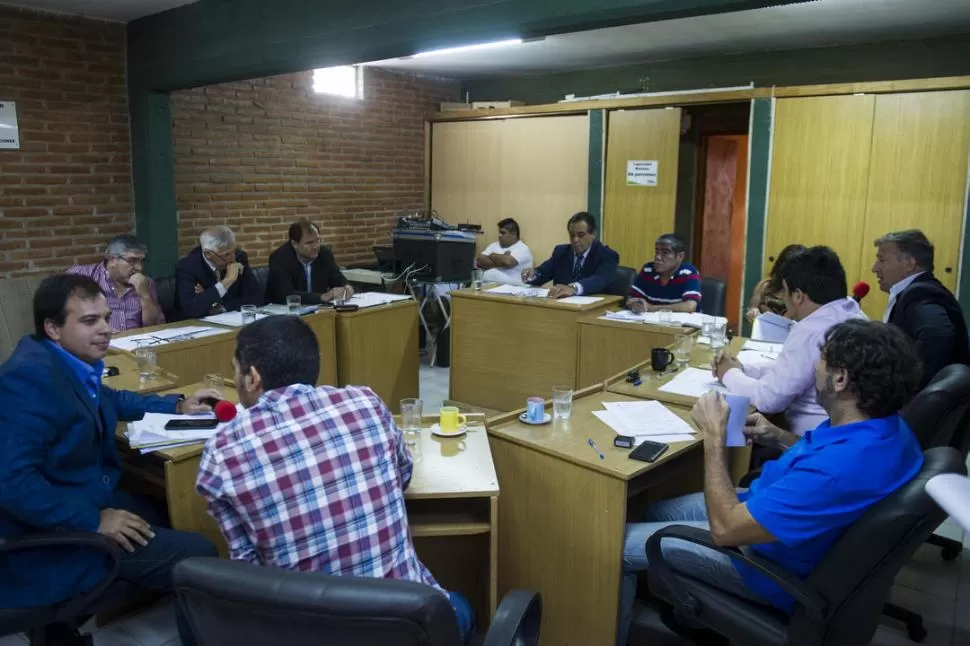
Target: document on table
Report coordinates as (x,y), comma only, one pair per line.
(168,335)
(520,290)
(645,420)
(230,319)
(763,347)
(693,382)
(580,300)
(681,319)
(372,299)
(149,433)
(771,327)
(274,309)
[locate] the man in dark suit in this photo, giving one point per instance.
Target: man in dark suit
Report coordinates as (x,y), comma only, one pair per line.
(303,268)
(584,266)
(919,303)
(59,466)
(215,277)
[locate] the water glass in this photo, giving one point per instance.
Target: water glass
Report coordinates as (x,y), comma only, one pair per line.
(248,314)
(682,347)
(214,382)
(706,323)
(718,332)
(562,402)
(411,411)
(664,317)
(146,360)
(293,305)
(477,280)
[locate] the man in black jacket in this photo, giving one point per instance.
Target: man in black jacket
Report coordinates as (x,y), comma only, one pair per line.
(303,268)
(919,304)
(215,277)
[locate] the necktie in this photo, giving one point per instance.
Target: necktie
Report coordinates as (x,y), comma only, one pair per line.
(577,266)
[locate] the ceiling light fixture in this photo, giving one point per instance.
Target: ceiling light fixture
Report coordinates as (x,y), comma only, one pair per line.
(468,48)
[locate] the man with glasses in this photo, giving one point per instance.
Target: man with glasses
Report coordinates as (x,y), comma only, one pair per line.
(131,294)
(667,283)
(215,277)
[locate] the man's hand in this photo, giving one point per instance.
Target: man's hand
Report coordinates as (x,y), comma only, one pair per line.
(759,430)
(752,314)
(124,527)
(723,362)
(199,288)
(561,291)
(140,283)
(638,305)
(528,275)
(194,403)
(710,413)
(339,294)
(233,270)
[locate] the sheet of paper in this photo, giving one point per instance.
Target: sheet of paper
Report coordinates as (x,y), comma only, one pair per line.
(274,309)
(150,431)
(581,300)
(168,335)
(736,418)
(625,316)
(771,327)
(372,299)
(666,439)
(750,358)
(951,491)
(646,418)
(693,382)
(763,347)
(230,319)
(520,290)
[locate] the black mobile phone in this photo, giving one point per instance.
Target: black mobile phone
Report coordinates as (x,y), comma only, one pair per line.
(191,424)
(648,451)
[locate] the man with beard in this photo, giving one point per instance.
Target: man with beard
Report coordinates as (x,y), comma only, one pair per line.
(131,295)
(304,268)
(805,500)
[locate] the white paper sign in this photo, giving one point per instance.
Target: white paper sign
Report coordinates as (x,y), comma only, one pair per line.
(641,172)
(9,135)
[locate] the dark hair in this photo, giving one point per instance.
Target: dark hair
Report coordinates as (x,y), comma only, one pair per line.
(50,299)
(510,225)
(300,228)
(283,349)
(774,276)
(912,243)
(881,362)
(818,273)
(583,216)
(677,244)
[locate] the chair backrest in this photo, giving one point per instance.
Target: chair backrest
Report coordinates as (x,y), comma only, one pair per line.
(262,277)
(165,288)
(939,414)
(230,602)
(16,311)
(857,573)
(713,296)
(622,281)
(385,258)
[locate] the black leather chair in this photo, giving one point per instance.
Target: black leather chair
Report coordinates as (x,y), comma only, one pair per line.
(238,603)
(37,622)
(262,277)
(165,287)
(713,296)
(622,282)
(840,602)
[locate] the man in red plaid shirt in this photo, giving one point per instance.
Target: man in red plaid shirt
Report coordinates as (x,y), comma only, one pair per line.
(311,478)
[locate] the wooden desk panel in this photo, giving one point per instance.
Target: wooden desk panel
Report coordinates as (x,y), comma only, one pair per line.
(324,326)
(129,379)
(505,348)
(191,360)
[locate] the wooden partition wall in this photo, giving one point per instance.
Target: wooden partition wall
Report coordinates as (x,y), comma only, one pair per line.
(531,169)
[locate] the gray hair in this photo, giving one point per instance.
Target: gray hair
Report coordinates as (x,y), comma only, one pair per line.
(913,243)
(217,238)
(120,245)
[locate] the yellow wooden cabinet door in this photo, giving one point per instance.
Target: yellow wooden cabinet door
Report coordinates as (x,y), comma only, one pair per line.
(819,177)
(634,215)
(918,178)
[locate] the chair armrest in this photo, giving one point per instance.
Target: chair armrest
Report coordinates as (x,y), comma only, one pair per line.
(748,478)
(815,606)
(517,620)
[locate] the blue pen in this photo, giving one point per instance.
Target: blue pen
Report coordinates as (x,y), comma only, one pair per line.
(596,448)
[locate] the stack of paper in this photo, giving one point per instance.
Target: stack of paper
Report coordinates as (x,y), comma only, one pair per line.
(645,420)
(149,433)
(580,300)
(771,327)
(682,319)
(161,337)
(230,319)
(372,299)
(519,290)
(759,352)
(693,382)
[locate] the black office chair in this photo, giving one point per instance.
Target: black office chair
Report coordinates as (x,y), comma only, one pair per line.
(386,262)
(840,601)
(165,288)
(38,622)
(622,282)
(262,277)
(713,296)
(238,603)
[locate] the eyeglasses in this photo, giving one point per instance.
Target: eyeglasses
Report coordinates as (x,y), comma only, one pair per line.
(132,260)
(225,256)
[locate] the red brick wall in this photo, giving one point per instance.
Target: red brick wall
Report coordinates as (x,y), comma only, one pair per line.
(68,188)
(257,155)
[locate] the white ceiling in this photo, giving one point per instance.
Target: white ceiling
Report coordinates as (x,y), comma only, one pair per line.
(814,24)
(121,10)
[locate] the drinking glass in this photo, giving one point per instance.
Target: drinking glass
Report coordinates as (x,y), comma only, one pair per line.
(477,280)
(718,330)
(214,382)
(706,323)
(248,314)
(682,347)
(664,317)
(293,305)
(562,402)
(146,360)
(411,411)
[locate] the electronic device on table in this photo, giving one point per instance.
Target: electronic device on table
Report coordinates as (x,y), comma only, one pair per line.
(437,250)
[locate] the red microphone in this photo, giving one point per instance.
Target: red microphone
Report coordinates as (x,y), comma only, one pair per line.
(225,410)
(860,290)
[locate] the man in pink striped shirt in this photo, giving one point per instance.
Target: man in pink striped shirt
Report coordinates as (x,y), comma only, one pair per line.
(131,295)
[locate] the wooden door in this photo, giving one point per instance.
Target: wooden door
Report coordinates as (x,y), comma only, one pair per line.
(634,216)
(918,178)
(820,176)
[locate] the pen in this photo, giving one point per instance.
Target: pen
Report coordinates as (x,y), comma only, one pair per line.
(596,448)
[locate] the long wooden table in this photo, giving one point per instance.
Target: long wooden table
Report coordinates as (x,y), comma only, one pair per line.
(564,511)
(507,348)
(129,379)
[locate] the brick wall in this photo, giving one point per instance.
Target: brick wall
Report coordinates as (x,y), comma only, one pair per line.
(68,188)
(257,155)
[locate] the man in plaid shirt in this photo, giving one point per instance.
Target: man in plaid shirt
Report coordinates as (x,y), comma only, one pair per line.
(311,478)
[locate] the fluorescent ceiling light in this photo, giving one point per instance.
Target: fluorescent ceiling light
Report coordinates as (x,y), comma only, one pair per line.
(468,48)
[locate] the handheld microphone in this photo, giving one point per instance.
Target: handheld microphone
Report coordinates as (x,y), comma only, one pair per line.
(860,290)
(225,410)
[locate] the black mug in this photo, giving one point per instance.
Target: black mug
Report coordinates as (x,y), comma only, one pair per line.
(660,359)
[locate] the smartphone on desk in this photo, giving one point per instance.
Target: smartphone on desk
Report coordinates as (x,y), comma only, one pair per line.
(191,424)
(648,451)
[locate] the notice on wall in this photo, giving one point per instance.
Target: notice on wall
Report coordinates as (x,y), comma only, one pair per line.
(9,135)
(641,172)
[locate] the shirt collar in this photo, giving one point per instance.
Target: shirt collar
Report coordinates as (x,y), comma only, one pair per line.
(88,374)
(585,253)
(825,433)
(280,394)
(211,266)
(896,289)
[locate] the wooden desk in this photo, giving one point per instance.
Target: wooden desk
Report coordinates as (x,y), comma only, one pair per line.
(129,379)
(564,511)
(507,348)
(377,347)
(608,347)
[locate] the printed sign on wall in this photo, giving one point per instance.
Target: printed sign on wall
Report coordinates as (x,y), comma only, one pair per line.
(9,136)
(641,172)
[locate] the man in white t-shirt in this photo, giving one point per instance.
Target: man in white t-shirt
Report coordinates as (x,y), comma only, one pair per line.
(504,259)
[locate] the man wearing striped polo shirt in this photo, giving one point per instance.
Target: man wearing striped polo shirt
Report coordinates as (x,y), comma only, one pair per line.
(667,283)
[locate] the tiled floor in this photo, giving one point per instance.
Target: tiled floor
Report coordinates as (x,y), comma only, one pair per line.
(434,386)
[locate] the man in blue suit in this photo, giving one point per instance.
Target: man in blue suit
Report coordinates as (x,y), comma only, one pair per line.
(59,467)
(584,266)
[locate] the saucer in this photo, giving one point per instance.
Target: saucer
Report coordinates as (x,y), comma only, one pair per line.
(436,430)
(546,418)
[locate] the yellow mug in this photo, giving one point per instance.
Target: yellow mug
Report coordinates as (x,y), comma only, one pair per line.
(451,420)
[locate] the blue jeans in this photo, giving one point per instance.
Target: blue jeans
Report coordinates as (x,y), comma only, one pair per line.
(700,562)
(464,614)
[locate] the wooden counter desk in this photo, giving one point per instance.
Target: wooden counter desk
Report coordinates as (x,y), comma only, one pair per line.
(563,515)
(129,379)
(507,348)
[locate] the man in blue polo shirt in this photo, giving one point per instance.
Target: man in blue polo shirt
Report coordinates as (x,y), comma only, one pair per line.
(804,501)
(667,283)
